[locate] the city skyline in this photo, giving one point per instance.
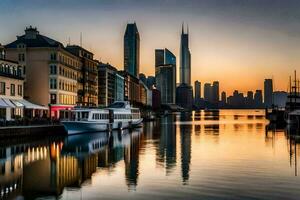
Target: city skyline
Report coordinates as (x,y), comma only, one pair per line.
(221,42)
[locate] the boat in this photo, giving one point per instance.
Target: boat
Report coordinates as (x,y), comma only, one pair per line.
(119,115)
(292,109)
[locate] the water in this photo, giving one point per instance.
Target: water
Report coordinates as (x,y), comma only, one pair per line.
(225,154)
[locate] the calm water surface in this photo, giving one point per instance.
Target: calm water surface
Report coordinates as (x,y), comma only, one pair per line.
(227,154)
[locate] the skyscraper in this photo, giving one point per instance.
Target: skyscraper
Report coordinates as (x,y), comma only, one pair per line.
(215,96)
(197,90)
(132,50)
(185,58)
(208,92)
(165,75)
(223,98)
(268,92)
(258,98)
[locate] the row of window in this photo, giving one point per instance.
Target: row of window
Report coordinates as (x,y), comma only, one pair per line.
(64,59)
(100,116)
(63,72)
(12,89)
(67,99)
(10,69)
(63,85)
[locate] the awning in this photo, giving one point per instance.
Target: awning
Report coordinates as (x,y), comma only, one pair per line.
(3,104)
(17,103)
(9,103)
(29,105)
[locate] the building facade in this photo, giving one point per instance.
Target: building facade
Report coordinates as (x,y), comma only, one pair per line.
(184,96)
(132,50)
(50,72)
(165,75)
(11,89)
(107,86)
(88,90)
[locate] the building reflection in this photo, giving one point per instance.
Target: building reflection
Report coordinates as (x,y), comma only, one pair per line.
(185,146)
(166,149)
(211,115)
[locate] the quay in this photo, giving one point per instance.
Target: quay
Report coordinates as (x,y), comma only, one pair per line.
(34,130)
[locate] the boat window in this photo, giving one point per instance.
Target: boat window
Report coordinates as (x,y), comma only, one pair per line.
(85,115)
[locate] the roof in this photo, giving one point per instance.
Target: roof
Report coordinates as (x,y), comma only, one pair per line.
(39,41)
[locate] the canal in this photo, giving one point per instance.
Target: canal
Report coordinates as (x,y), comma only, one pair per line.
(226,154)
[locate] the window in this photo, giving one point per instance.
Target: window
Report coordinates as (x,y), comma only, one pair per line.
(53,56)
(53,84)
(53,69)
(21,57)
(20,90)
(2,88)
(12,89)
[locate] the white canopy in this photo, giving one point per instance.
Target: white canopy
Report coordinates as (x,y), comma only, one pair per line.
(9,103)
(3,104)
(29,105)
(20,103)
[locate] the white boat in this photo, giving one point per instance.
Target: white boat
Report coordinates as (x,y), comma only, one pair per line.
(119,115)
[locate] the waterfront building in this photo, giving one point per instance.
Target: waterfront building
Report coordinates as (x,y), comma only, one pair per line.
(184,96)
(185,58)
(208,93)
(258,99)
(132,50)
(110,85)
(268,92)
(50,72)
(88,93)
(165,75)
(131,88)
(215,95)
(249,99)
(11,90)
(223,98)
(197,90)
(119,87)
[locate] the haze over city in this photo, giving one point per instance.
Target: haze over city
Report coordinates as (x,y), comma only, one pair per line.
(239,43)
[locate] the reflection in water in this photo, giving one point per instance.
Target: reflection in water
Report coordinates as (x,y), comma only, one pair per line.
(186,145)
(166,154)
(188,163)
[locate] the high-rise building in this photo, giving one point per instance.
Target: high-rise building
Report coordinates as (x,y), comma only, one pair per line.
(185,58)
(223,98)
(208,92)
(215,95)
(258,98)
(165,75)
(268,92)
(132,50)
(197,90)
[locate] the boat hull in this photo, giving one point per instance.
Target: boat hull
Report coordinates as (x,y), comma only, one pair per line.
(76,127)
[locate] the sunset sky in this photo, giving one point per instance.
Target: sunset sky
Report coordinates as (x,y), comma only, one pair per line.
(238,42)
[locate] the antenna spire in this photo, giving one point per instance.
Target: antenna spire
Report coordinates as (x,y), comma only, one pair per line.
(182,30)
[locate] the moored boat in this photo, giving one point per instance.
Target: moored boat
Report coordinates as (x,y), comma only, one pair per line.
(119,115)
